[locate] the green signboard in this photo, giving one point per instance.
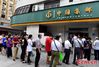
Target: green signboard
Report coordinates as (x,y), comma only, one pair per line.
(78,11)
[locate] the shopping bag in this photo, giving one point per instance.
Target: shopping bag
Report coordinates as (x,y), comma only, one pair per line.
(60,56)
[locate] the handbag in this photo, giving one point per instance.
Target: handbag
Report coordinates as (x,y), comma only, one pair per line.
(60,53)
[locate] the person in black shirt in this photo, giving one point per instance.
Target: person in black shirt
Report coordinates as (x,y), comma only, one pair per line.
(23,48)
(87,48)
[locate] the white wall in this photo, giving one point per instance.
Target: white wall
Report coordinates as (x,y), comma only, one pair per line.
(66,2)
(34,30)
(20,3)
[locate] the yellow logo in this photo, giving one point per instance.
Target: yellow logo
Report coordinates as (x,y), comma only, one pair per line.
(67,12)
(59,13)
(49,14)
(77,11)
(88,9)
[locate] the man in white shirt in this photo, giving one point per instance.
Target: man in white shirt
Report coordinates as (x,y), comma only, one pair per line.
(29,48)
(77,49)
(96,48)
(67,46)
(56,47)
(38,50)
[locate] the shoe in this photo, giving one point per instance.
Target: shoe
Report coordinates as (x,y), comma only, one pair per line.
(64,62)
(59,64)
(17,58)
(23,61)
(67,63)
(13,59)
(29,63)
(75,63)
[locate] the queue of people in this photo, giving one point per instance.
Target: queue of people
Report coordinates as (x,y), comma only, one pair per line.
(82,46)
(82,49)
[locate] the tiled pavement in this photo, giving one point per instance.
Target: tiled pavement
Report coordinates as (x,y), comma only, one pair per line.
(8,62)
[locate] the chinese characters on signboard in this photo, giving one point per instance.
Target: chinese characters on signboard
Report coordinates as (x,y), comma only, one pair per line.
(67,12)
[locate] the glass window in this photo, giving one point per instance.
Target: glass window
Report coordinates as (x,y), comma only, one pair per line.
(51,4)
(3,16)
(33,7)
(24,9)
(21,10)
(27,8)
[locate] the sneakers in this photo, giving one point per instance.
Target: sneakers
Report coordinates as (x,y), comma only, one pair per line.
(23,61)
(63,61)
(67,63)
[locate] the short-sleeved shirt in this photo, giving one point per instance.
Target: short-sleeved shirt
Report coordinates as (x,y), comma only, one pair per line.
(16,40)
(96,44)
(4,41)
(48,44)
(67,44)
(54,44)
(38,43)
(29,46)
(9,44)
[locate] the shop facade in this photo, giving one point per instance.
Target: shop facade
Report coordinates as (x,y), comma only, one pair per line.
(80,19)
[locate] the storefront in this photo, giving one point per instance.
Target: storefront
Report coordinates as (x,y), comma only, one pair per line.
(80,19)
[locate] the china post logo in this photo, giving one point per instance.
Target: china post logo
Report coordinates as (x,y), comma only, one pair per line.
(49,14)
